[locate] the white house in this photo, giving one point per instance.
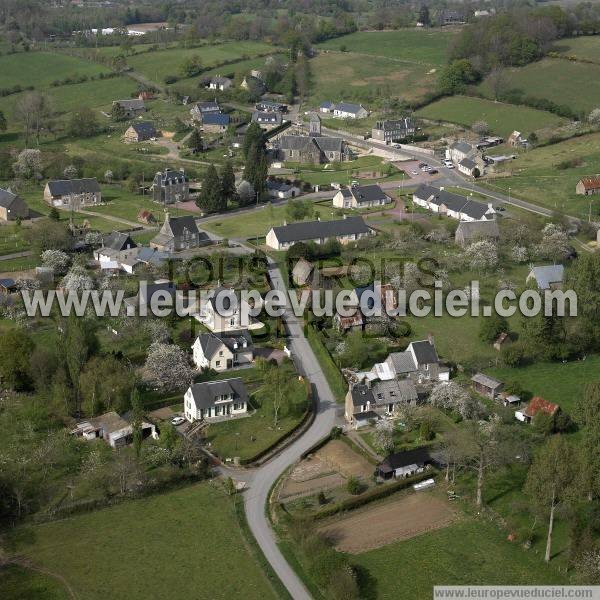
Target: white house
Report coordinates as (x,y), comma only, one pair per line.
(281,189)
(223,311)
(452,205)
(220,83)
(348,110)
(214,399)
(361,196)
(223,351)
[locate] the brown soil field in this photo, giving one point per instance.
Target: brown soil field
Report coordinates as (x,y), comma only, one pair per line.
(342,458)
(400,519)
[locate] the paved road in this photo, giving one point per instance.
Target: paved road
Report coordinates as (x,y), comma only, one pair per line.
(263,478)
(16,255)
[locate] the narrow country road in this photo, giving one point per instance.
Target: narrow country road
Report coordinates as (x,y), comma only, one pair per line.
(263,478)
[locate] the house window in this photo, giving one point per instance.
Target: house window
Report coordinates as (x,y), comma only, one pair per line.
(218,363)
(220,352)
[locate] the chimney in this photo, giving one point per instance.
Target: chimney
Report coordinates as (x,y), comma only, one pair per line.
(490,206)
(167,216)
(442,189)
(284,222)
(345,216)
(430,338)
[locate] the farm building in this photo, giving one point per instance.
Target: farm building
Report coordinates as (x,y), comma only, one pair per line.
(131,108)
(405,464)
(538,405)
(12,206)
(588,185)
(139,132)
(72,193)
(486,386)
(472,231)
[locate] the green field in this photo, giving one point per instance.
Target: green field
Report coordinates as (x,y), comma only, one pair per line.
(573,84)
(40,69)
(157,65)
(347,76)
(585,47)
(561,383)
(502,118)
(186,544)
(409,45)
(18,583)
(535,176)
(465,553)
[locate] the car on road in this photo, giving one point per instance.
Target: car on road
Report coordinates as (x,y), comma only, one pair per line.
(449,164)
(177,420)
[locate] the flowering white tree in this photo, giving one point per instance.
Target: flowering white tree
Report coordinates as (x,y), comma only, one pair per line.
(70,172)
(439,235)
(167,367)
(554,244)
(451,396)
(29,164)
(481,255)
(481,127)
(77,280)
(594,117)
(158,330)
(93,238)
(28,284)
(383,437)
(57,260)
(519,254)
(108,176)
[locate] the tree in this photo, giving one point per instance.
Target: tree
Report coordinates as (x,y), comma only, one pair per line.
(211,198)
(254,135)
(257,167)
(587,413)
(451,396)
(194,141)
(456,76)
(298,210)
(585,281)
(167,367)
(137,415)
(383,437)
(491,327)
(480,127)
(16,347)
(33,111)
(53,214)
(481,255)
(549,478)
(353,485)
(48,235)
(83,124)
(70,172)
(594,117)
(424,15)
(245,192)
(76,351)
(2,121)
(101,393)
(228,191)
(77,280)
(118,113)
(57,260)
(29,164)
(191,66)
(554,244)
(108,176)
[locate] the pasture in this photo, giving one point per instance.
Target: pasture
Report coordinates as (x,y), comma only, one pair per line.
(408,45)
(502,118)
(573,84)
(585,48)
(142,548)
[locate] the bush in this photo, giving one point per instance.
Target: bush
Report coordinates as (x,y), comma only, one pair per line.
(513,355)
(354,486)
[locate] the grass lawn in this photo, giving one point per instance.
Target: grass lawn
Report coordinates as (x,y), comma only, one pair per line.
(12,239)
(409,45)
(562,383)
(40,69)
(179,542)
(467,552)
(536,178)
(248,436)
(586,47)
(17,583)
(157,65)
(502,118)
(572,84)
(348,76)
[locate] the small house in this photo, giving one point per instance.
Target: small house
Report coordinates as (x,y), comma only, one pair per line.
(469,167)
(282,189)
(267,119)
(223,351)
(405,464)
(73,193)
(141,131)
(486,386)
(220,83)
(12,207)
(131,108)
(216,399)
(215,122)
(348,110)
(468,232)
(361,196)
(115,430)
(538,405)
(588,185)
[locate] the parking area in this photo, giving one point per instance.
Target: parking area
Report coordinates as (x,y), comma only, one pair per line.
(412,169)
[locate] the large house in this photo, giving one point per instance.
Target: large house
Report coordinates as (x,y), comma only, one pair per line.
(131,108)
(547,277)
(12,206)
(267,119)
(588,185)
(311,149)
(201,109)
(112,428)
(344,110)
(220,83)
(459,150)
(141,131)
(345,231)
(361,196)
(472,231)
(452,205)
(419,362)
(170,186)
(213,399)
(222,351)
(370,400)
(393,130)
(72,193)
(179,233)
(222,311)
(215,122)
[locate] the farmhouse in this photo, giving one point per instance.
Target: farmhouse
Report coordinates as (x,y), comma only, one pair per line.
(199,110)
(271,106)
(588,185)
(311,149)
(537,406)
(393,130)
(222,351)
(215,122)
(486,386)
(347,110)
(452,205)
(345,231)
(170,186)
(116,242)
(220,83)
(374,399)
(472,231)
(548,277)
(281,189)
(361,196)
(139,132)
(267,119)
(131,108)
(213,399)
(469,167)
(72,193)
(179,233)
(112,428)
(405,464)
(459,150)
(12,206)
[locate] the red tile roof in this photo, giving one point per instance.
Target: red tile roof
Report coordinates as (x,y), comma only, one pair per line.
(591,183)
(538,404)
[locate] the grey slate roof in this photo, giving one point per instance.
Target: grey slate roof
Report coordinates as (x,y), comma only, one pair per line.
(211,342)
(425,352)
(146,293)
(454,202)
(303,142)
(349,107)
(473,229)
(133,104)
(394,390)
(468,163)
(418,456)
(486,381)
(402,362)
(310,230)
(6,198)
(205,107)
(144,128)
(118,241)
(64,187)
(207,392)
(259,116)
(216,119)
(327,104)
(368,193)
(180,224)
(547,275)
(462,147)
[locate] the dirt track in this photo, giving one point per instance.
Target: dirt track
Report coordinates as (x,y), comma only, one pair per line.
(401,519)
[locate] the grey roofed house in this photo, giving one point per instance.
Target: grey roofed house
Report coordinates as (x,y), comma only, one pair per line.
(425,352)
(310,230)
(64,187)
(301,142)
(468,231)
(454,202)
(327,105)
(402,362)
(144,129)
(467,163)
(118,241)
(268,117)
(220,82)
(393,391)
(207,393)
(419,457)
(207,107)
(211,342)
(216,119)
(12,206)
(133,104)
(463,147)
(147,292)
(368,193)
(547,276)
(349,107)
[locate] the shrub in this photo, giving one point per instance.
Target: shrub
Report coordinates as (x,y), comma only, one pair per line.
(354,486)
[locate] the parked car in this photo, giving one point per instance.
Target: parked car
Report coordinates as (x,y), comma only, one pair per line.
(432,171)
(449,164)
(177,420)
